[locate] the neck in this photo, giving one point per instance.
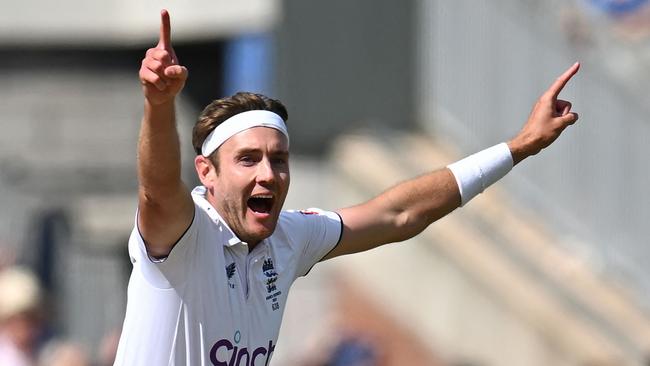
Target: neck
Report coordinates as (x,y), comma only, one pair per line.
(250,242)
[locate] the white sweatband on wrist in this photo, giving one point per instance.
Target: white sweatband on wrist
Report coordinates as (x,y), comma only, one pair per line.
(238,123)
(478,171)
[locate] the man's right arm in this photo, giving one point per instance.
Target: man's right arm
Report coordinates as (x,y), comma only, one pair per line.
(165,207)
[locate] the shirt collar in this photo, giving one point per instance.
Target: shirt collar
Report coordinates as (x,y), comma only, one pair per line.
(199,194)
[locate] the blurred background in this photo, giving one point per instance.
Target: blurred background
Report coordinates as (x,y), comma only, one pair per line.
(549,267)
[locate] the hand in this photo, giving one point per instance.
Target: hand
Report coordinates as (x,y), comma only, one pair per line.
(161,76)
(550,116)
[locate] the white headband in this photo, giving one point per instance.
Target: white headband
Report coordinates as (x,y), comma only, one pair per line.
(238,123)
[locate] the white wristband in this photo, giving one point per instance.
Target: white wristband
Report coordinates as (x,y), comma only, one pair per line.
(479,171)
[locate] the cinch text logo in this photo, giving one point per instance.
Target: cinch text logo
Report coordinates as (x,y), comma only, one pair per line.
(224,353)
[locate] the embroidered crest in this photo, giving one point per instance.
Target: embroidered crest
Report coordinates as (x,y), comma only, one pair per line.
(230,271)
(271,275)
(270,284)
(267,265)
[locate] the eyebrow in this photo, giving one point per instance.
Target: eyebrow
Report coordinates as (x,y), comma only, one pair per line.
(252,150)
(283,153)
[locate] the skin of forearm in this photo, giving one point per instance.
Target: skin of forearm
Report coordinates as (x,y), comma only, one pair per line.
(165,209)
(415,204)
(520,149)
(159,165)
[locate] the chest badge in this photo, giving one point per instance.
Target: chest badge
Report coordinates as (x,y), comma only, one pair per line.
(230,272)
(271,278)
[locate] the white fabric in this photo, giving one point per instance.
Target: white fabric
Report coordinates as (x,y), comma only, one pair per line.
(210,302)
(477,172)
(241,122)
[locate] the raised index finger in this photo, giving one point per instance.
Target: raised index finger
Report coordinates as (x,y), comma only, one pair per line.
(165,41)
(561,81)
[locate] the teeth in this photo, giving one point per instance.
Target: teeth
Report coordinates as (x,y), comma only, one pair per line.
(263,196)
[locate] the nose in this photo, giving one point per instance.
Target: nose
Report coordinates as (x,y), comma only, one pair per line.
(265,172)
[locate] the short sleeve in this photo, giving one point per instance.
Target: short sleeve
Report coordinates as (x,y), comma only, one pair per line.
(170,271)
(316,233)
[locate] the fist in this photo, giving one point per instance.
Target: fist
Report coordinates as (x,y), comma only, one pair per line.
(161,76)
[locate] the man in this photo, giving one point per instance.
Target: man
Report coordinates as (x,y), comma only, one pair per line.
(212,268)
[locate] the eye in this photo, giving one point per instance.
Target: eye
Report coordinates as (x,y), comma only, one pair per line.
(247,160)
(280,161)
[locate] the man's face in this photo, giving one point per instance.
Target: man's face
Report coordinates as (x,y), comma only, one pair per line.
(252,182)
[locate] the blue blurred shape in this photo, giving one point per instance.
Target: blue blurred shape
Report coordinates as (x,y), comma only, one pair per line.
(353,352)
(618,7)
(248,64)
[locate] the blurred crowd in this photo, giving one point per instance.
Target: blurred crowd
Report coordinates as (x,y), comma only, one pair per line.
(27,337)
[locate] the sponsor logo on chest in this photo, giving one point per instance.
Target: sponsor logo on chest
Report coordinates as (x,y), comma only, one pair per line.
(227,353)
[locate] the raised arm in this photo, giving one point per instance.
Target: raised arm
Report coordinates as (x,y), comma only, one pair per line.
(409,207)
(165,207)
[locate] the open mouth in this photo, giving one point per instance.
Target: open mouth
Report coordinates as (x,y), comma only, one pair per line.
(261,203)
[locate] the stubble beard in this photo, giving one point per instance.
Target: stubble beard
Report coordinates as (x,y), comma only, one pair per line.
(236,216)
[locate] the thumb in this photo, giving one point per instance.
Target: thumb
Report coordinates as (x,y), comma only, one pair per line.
(569,118)
(176,72)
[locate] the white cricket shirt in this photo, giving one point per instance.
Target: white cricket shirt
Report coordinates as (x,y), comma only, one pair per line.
(210,302)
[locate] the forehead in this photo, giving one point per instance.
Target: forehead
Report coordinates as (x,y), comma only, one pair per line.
(256,138)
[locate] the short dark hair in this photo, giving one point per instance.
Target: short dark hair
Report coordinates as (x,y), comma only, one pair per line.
(221,109)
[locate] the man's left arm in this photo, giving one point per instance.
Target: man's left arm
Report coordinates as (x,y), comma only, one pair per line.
(409,207)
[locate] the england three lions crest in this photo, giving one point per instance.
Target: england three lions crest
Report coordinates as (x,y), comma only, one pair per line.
(268,269)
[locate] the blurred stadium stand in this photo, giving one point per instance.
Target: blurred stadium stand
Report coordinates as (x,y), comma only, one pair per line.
(589,186)
(549,267)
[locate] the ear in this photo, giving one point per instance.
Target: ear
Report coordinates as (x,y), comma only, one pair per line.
(205,170)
